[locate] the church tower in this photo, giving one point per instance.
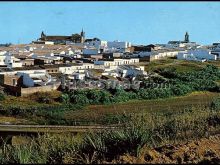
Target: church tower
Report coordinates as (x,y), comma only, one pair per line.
(82,34)
(186,37)
(42,34)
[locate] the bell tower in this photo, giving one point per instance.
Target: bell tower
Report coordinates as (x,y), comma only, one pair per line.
(82,34)
(42,34)
(186,37)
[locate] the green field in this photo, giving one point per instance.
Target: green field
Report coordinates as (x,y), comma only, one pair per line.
(97,112)
(179,65)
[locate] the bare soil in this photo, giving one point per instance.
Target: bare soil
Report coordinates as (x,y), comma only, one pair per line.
(203,151)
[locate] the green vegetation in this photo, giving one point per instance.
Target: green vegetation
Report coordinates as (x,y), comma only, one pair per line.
(178,84)
(2,97)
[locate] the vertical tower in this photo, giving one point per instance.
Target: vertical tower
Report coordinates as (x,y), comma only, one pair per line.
(186,37)
(42,34)
(82,34)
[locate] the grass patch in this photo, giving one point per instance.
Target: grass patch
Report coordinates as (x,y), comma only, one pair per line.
(103,113)
(179,65)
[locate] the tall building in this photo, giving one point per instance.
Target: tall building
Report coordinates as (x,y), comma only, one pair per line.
(82,34)
(186,37)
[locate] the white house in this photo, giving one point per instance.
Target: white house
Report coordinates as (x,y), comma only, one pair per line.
(125,70)
(165,53)
(6,59)
(35,78)
(90,51)
(118,44)
(216,49)
(70,69)
(77,76)
(197,55)
(98,44)
(116,62)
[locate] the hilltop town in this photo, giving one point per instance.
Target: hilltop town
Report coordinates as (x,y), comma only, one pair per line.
(44,64)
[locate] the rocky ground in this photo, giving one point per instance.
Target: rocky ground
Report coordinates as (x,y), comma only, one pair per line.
(206,150)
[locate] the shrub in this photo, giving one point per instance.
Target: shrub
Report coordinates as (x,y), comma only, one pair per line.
(180,89)
(65,98)
(2,97)
(215,104)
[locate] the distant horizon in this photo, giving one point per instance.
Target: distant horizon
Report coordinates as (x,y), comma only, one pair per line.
(140,23)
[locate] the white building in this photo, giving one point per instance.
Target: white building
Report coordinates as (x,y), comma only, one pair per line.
(133,71)
(77,76)
(197,55)
(118,44)
(98,44)
(70,69)
(216,49)
(35,78)
(90,51)
(160,54)
(125,71)
(116,62)
(6,59)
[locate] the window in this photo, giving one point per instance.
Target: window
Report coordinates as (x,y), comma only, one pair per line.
(14,82)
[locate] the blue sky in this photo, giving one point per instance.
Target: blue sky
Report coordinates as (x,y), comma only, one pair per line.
(137,22)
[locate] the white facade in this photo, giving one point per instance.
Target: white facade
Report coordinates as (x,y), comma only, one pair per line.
(97,44)
(75,68)
(49,43)
(163,54)
(118,44)
(88,51)
(124,71)
(197,55)
(9,60)
(77,76)
(117,62)
(30,79)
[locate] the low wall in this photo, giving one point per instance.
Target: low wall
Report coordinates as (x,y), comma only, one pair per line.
(18,91)
(31,90)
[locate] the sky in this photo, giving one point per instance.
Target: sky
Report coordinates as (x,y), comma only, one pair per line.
(136,22)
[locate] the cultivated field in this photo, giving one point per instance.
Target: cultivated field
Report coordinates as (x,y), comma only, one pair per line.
(97,113)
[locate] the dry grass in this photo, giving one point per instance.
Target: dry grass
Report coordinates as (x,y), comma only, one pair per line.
(13,120)
(29,101)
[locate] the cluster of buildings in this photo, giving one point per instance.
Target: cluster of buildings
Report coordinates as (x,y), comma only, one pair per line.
(42,64)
